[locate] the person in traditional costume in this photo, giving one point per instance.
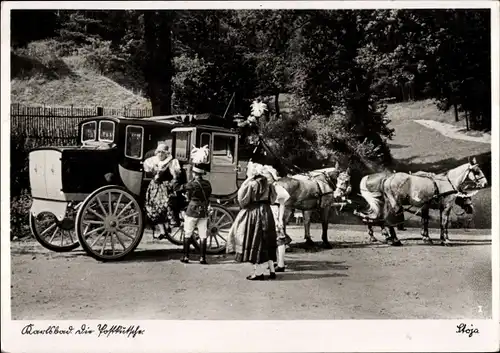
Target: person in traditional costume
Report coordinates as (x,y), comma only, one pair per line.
(253,234)
(160,196)
(198,193)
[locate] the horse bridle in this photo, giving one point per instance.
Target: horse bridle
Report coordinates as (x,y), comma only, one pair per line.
(476,180)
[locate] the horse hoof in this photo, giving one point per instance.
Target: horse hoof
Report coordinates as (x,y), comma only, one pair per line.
(427,240)
(446,243)
(327,245)
(373,240)
(396,243)
(309,242)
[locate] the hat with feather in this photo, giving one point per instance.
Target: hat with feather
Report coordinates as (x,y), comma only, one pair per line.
(199,157)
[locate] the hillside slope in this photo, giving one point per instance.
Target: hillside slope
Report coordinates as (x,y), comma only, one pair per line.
(64,81)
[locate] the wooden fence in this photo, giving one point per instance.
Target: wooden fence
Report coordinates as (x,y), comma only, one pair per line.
(57,125)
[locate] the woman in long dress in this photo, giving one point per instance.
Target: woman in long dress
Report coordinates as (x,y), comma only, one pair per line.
(253,234)
(167,172)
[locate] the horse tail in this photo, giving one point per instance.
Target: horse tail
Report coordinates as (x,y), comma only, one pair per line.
(371,197)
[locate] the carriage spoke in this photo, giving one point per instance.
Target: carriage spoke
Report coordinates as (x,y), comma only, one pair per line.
(220,219)
(62,237)
(89,222)
(104,243)
(97,239)
(53,235)
(130,215)
(117,204)
(101,206)
(71,237)
(124,208)
(112,242)
(110,205)
(96,214)
(129,225)
(121,242)
(86,229)
(48,228)
(127,235)
(225,224)
(220,236)
(93,231)
(177,231)
(216,241)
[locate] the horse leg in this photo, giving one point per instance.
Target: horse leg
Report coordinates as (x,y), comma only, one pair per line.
(394,238)
(425,225)
(385,233)
(286,216)
(307,227)
(370,233)
(445,218)
(325,213)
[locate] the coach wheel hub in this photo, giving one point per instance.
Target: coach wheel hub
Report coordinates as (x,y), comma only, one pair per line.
(111,223)
(214,230)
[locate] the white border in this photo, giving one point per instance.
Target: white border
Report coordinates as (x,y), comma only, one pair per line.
(251,336)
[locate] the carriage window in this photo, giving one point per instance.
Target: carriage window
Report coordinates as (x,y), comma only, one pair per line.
(106,131)
(223,149)
(133,141)
(89,131)
(182,145)
(205,141)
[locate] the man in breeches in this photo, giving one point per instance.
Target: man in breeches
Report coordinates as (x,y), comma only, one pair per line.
(198,192)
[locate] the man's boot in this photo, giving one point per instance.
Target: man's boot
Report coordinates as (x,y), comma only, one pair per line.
(186,244)
(203,249)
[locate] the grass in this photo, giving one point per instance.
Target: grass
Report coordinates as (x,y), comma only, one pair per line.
(40,76)
(79,89)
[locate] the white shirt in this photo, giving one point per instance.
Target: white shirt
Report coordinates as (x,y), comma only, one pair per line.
(154,164)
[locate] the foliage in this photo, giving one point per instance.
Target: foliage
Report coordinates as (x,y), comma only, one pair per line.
(19,213)
(19,163)
(189,80)
(339,65)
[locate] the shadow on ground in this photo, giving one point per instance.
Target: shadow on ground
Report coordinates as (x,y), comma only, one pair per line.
(297,276)
(302,265)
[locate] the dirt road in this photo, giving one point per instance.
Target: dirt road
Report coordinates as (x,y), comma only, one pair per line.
(355,280)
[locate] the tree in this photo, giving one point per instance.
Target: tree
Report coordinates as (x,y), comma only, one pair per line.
(158,70)
(30,25)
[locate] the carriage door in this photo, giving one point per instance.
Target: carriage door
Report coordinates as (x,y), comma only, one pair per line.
(224,163)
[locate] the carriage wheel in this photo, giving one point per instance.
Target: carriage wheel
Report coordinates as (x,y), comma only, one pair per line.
(176,235)
(220,221)
(109,224)
(52,234)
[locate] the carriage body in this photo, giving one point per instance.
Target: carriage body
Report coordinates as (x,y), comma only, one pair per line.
(105,168)
(224,169)
(110,150)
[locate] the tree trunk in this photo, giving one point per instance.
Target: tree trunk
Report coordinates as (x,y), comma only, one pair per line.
(467,120)
(158,70)
(455,107)
(277,105)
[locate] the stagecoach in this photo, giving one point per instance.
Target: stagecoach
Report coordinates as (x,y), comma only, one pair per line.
(93,194)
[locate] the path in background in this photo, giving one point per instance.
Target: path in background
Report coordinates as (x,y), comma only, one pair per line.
(422,148)
(455,132)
